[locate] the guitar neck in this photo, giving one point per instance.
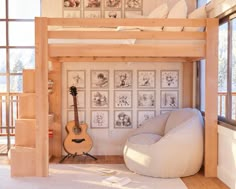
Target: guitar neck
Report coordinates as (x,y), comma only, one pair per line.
(76,111)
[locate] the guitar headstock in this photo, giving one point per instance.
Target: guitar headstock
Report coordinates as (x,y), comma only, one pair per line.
(73,91)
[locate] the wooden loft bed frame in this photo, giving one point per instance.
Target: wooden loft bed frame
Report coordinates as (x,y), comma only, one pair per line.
(170,52)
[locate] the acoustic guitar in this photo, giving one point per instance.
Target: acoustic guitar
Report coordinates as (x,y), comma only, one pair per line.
(77,142)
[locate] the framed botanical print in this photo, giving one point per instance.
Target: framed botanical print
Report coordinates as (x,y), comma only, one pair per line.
(123,79)
(169,99)
(76,78)
(71,14)
(169,79)
(71,116)
(91,4)
(113,4)
(133,4)
(99,99)
(146,79)
(112,14)
(146,99)
(99,119)
(80,100)
(72,3)
(144,115)
(123,119)
(123,99)
(99,79)
(92,14)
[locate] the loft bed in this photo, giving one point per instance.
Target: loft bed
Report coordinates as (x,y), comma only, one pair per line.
(186,47)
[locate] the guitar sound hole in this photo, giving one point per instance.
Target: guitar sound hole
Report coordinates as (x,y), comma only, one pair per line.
(76,130)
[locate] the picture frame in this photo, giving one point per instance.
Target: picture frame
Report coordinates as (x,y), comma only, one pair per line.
(72,4)
(146,99)
(99,119)
(133,4)
(112,14)
(123,79)
(144,115)
(72,14)
(76,78)
(123,99)
(99,99)
(81,99)
(81,116)
(92,4)
(123,119)
(92,14)
(169,99)
(169,79)
(99,79)
(113,4)
(146,79)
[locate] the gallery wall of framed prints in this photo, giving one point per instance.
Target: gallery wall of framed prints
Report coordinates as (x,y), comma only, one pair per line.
(101,8)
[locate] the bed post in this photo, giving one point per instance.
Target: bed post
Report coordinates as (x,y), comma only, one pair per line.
(211,89)
(41,83)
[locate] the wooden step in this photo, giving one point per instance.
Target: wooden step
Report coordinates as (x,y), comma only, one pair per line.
(25,132)
(27,106)
(22,161)
(29,81)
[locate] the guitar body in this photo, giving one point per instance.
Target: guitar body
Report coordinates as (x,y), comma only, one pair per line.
(77,141)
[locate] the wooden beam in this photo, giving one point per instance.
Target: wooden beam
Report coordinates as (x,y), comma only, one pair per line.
(41,83)
(187,85)
(102,22)
(55,107)
(137,50)
(211,89)
(120,59)
(126,35)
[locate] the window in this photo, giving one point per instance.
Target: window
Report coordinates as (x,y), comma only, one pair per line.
(202,2)
(227,69)
(17,53)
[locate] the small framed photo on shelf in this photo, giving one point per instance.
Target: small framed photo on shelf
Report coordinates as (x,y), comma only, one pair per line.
(146,79)
(99,79)
(123,79)
(169,99)
(99,99)
(144,115)
(92,4)
(112,14)
(123,119)
(80,100)
(133,4)
(76,78)
(99,119)
(123,99)
(146,99)
(71,4)
(71,116)
(113,4)
(169,79)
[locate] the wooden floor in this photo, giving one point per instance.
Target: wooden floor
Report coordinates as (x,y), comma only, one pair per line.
(197,181)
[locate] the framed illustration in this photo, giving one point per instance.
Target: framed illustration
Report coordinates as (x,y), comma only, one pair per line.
(92,14)
(99,79)
(112,14)
(80,100)
(133,4)
(71,14)
(92,4)
(123,119)
(123,99)
(71,116)
(113,4)
(169,78)
(146,99)
(146,79)
(123,79)
(72,3)
(99,119)
(144,115)
(169,99)
(76,78)
(99,99)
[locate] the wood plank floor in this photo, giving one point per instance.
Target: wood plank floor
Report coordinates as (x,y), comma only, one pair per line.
(197,181)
